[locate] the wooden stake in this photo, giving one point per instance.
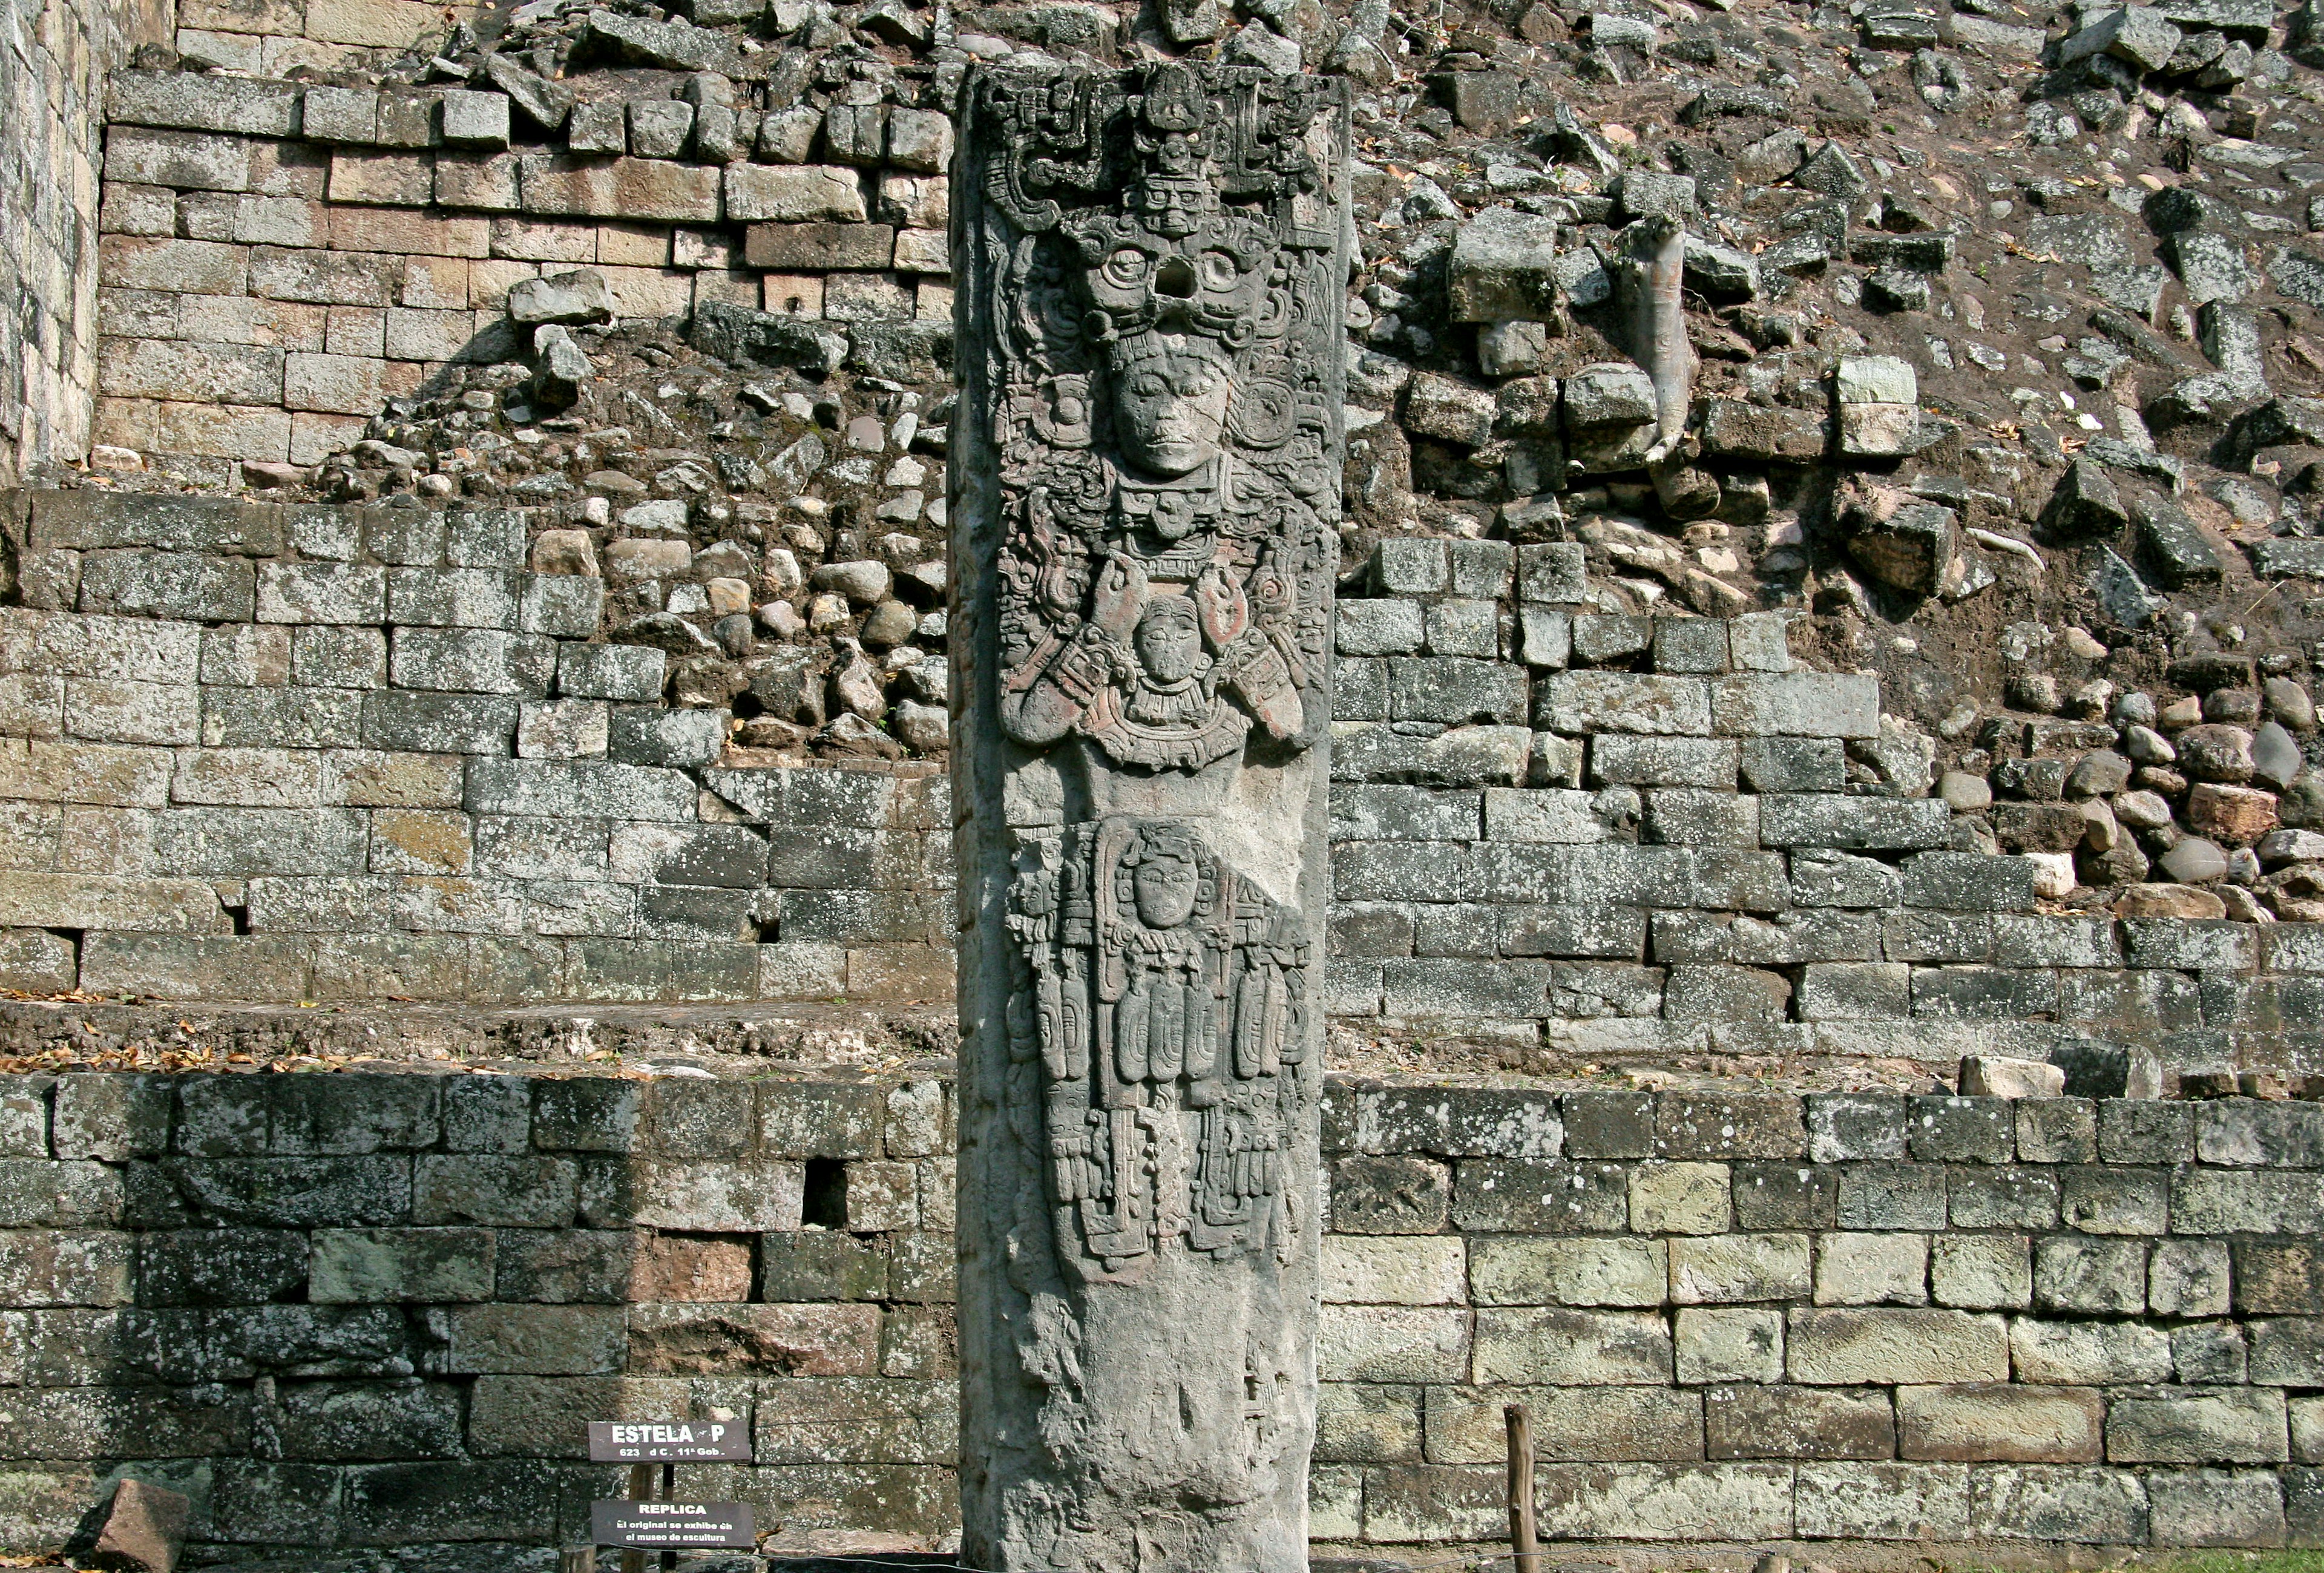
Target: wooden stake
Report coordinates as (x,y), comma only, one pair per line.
(641,1489)
(1521,1527)
(577,1559)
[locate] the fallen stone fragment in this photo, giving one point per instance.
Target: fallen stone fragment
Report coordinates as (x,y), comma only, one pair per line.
(578,297)
(146,1529)
(2001,1076)
(561,367)
(1501,267)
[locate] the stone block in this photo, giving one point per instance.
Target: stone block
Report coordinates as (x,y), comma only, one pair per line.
(1983,1197)
(2088,1353)
(1667,1502)
(2278,1275)
(1798,704)
(2231,1201)
(1393,1343)
(2188,1278)
(2057,1130)
(535,1340)
(2053,1502)
(1587,702)
(1553,1198)
(1982,1422)
(1429,1502)
(696,1338)
(428,1266)
(1571,1347)
(2216,1507)
(793,194)
(1428,1270)
(2216,1426)
(1774,1422)
(819,247)
(2115,1201)
(1854,1268)
(1836,1346)
(1611,1424)
(1735,1344)
(2288,1351)
(1682,1199)
(1521,1270)
(2254,1133)
(1854,1125)
(1981,1271)
(649,190)
(1390,1195)
(1732,1269)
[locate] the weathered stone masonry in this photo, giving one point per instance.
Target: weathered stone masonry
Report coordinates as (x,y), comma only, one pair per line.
(375,1309)
(53,56)
(256,751)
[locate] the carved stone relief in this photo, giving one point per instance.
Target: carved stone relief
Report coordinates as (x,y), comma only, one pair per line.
(1146,469)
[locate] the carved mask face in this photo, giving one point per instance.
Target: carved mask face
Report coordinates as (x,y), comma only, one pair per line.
(1170,398)
(1169,644)
(1164,889)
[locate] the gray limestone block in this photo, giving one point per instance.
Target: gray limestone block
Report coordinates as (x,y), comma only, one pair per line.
(473,661)
(439,722)
(1968,881)
(647,735)
(1502,267)
(2057,1130)
(2252,1132)
(321,593)
(1379,627)
(298,1192)
(611,671)
(204,102)
(1553,572)
(582,789)
(584,1114)
(732,856)
(453,598)
(113,1116)
(1892,1196)
(1856,1126)
(353,1115)
(169,584)
(487,1114)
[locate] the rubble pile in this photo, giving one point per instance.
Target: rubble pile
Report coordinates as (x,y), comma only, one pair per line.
(1982,334)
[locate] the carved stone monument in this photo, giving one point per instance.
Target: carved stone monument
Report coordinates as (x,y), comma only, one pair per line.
(1146,494)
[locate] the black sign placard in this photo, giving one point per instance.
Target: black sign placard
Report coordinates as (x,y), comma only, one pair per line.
(667,1441)
(673,1526)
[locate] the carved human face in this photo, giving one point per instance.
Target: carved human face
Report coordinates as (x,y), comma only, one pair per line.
(1164,887)
(1168,643)
(1170,402)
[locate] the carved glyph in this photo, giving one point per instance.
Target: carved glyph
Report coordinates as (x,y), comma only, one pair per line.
(1146,474)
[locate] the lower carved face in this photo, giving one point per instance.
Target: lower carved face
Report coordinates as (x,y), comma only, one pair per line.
(1169,644)
(1164,889)
(1170,396)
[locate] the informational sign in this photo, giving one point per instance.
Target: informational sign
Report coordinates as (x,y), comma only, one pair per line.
(668,1441)
(674,1526)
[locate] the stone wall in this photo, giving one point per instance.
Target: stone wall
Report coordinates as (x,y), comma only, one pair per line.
(263,752)
(377,1309)
(53,56)
(321,753)
(281,261)
(1670,834)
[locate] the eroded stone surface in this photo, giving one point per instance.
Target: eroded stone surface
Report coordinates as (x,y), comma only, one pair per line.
(1147,491)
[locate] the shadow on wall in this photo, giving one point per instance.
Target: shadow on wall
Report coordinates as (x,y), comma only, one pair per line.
(362,1319)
